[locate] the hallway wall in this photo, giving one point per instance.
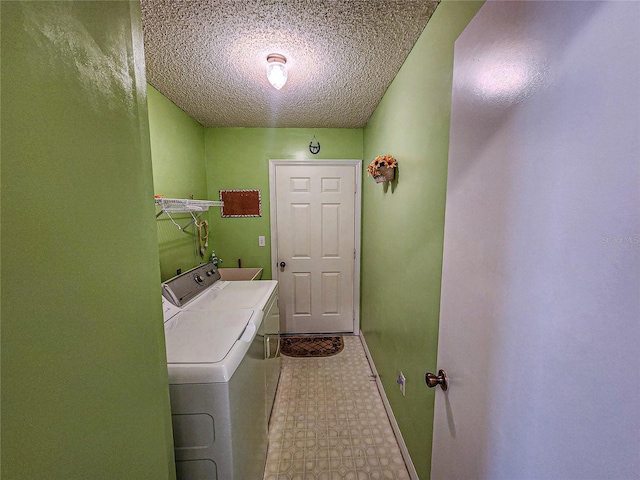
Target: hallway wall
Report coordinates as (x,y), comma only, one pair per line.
(179,171)
(403,225)
(84,379)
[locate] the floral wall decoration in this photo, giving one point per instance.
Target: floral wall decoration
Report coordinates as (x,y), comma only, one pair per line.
(383,168)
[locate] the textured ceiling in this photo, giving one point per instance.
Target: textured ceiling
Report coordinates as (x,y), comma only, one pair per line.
(210,56)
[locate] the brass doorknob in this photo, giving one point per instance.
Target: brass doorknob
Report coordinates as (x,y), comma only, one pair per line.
(435,380)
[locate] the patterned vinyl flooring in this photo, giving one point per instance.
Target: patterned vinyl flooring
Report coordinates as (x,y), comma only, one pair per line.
(329,422)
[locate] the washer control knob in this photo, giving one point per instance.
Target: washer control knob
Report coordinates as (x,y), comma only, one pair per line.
(198,278)
(209,273)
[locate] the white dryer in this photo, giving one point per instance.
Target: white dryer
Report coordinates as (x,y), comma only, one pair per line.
(201,289)
(217,371)
(216,378)
(256,294)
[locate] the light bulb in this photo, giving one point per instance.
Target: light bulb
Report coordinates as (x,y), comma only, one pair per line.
(276,70)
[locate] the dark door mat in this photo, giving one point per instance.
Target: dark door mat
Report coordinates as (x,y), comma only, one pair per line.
(311,347)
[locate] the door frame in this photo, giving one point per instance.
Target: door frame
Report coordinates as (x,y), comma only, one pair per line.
(357,165)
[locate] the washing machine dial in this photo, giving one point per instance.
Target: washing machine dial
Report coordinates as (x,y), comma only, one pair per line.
(198,278)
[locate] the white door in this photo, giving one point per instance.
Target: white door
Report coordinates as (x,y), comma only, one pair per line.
(540,307)
(315,244)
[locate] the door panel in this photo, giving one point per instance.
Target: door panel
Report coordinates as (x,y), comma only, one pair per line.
(301,231)
(330,293)
(541,267)
(330,230)
(301,293)
(315,222)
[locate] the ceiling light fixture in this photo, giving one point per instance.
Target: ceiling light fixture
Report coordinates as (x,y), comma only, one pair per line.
(276,70)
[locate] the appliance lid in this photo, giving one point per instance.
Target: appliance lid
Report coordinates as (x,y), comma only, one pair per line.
(204,336)
(237,294)
(169,310)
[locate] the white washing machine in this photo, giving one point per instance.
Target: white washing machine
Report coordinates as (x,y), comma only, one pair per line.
(201,289)
(256,294)
(216,382)
(218,373)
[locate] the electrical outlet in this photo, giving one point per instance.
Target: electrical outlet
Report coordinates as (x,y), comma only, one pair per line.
(261,242)
(402,382)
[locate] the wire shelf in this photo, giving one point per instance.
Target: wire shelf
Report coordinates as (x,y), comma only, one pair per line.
(184,205)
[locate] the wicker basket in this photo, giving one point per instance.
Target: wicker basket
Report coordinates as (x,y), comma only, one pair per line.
(385,174)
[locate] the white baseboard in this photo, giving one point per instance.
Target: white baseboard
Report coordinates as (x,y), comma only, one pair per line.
(392,419)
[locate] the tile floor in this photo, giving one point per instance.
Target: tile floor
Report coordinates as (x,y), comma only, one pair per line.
(329,422)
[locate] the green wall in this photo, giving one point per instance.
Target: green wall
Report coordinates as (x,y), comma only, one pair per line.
(238,158)
(84,378)
(177,149)
(403,225)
